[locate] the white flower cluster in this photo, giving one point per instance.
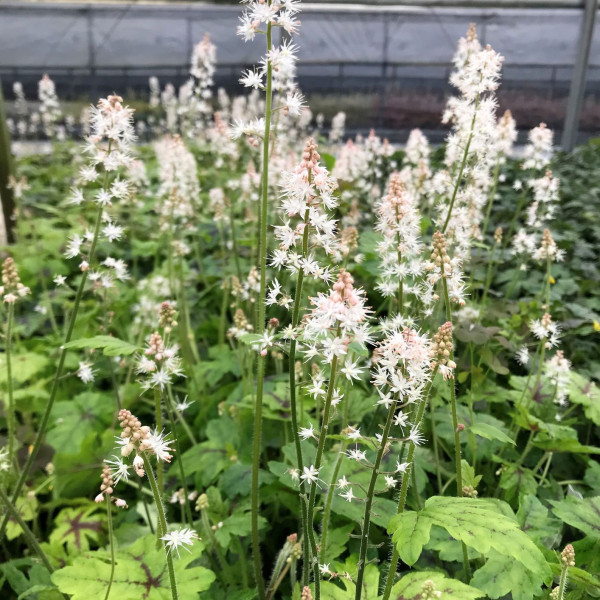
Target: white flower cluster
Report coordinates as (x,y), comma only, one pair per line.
(160,363)
(534,240)
(194,95)
(399,222)
(109,147)
(338,319)
(281,60)
(472,147)
(50,111)
(401,370)
(179,190)
(366,163)
(307,196)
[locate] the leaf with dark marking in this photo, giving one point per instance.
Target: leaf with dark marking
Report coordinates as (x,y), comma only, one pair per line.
(140,574)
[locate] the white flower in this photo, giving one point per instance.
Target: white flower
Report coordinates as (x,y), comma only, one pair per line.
(401,467)
(349,495)
(252,79)
(179,539)
(522,355)
(112,232)
(401,419)
(85,372)
(160,446)
(342,483)
(390,481)
(59,280)
(415,436)
(307,432)
(294,103)
(103,198)
(74,246)
(357,455)
(351,370)
(310,475)
(76,197)
(354,434)
(183,405)
(119,470)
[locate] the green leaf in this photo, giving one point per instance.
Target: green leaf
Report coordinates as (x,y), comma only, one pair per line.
(582,514)
(411,585)
(469,476)
(489,432)
(77,527)
(140,572)
(28,508)
(410,532)
(250,338)
(111,346)
(535,520)
(585,393)
(333,591)
(560,438)
(481,525)
(501,576)
(77,418)
(358,349)
(25,366)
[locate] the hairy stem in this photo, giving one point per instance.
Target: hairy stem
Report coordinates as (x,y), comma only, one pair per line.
(256,446)
(162,524)
(405,482)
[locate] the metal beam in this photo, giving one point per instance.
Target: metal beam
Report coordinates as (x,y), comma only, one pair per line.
(577,91)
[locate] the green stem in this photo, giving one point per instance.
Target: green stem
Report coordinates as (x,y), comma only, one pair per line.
(159,428)
(13,511)
(404,485)
(10,417)
(488,278)
(293,405)
(256,447)
(329,500)
(491,199)
(562,586)
(111,543)
(459,486)
(57,377)
(313,488)
(224,565)
(162,524)
(364,540)
(436,453)
(188,509)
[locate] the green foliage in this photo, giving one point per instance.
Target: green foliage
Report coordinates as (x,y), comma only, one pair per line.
(110,346)
(139,572)
(581,513)
(486,526)
(411,584)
